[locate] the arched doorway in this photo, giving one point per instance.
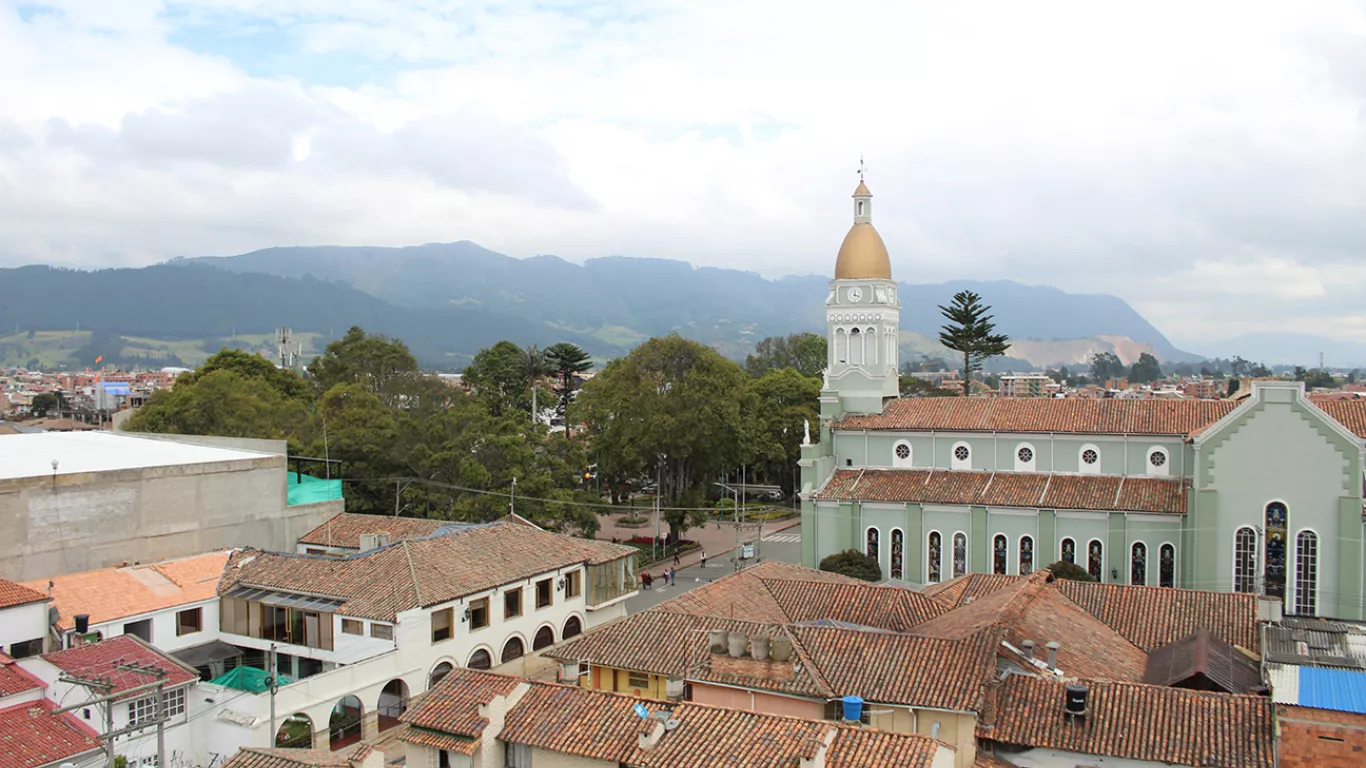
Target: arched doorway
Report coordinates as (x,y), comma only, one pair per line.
(438,672)
(295,732)
(572,628)
(545,637)
(480,659)
(344,726)
(512,650)
(393,702)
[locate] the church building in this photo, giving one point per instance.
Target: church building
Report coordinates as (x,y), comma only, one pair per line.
(1262,495)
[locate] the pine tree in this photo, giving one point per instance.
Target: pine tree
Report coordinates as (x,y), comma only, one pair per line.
(971,332)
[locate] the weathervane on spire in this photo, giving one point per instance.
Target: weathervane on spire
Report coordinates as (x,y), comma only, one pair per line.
(860,166)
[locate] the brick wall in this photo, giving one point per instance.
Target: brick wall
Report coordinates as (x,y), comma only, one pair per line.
(1320,738)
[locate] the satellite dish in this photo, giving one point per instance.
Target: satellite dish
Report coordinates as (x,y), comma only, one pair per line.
(669,725)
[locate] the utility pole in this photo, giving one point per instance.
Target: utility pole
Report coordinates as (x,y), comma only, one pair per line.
(107,698)
(512,500)
(273,681)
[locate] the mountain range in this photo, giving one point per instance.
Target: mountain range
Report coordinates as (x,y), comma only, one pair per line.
(447,300)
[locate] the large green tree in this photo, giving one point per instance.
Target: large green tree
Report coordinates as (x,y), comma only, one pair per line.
(785,402)
(673,407)
(1107,365)
(382,365)
(567,361)
(498,377)
(803,352)
(1146,370)
(971,333)
(234,394)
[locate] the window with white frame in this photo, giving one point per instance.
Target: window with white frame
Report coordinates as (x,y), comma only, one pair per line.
(961,456)
(1245,560)
(901,454)
(1138,564)
(1307,573)
(1088,460)
(144,710)
(1159,463)
(1024,458)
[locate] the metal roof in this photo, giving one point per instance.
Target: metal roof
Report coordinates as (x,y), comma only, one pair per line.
(286,599)
(1318,642)
(1343,690)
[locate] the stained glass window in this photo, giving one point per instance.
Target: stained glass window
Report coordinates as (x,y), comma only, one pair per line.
(897,554)
(870,545)
(1166,567)
(1095,560)
(1138,564)
(1306,573)
(935,555)
(1069,551)
(998,564)
(960,554)
(1274,580)
(1245,560)
(1026,555)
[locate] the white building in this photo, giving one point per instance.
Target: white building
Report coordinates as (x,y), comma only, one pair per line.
(23,620)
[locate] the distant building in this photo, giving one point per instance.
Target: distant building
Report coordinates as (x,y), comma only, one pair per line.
(1025,385)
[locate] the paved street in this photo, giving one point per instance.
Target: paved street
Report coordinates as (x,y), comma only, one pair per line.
(784,546)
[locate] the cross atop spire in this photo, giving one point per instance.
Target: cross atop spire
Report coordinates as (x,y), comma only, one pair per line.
(860,167)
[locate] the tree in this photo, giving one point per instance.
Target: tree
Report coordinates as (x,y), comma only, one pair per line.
(970,331)
(803,352)
(567,361)
(1105,366)
(496,376)
(222,402)
(854,564)
(913,387)
(784,402)
(1146,370)
(380,364)
(252,366)
(1070,571)
(45,403)
(672,406)
(535,365)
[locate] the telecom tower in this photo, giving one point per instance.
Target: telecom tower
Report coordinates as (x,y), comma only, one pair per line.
(287,350)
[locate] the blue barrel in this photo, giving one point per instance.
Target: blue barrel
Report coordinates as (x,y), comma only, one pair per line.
(853,707)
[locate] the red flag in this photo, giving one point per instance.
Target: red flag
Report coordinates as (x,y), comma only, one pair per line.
(98,359)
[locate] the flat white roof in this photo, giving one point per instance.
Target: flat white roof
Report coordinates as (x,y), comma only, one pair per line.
(32,455)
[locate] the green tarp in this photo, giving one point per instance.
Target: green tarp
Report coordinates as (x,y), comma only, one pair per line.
(248,679)
(304,489)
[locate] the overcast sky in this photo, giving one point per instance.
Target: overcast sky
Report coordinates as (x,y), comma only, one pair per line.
(1204,160)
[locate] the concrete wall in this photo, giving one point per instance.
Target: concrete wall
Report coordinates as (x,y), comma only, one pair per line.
(81,522)
(23,622)
(757,701)
(164,635)
(276,447)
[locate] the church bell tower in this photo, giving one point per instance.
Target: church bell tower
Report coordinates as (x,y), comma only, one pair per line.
(863,316)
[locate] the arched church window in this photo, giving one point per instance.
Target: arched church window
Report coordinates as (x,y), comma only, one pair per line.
(1245,560)
(855,347)
(898,555)
(960,554)
(1274,579)
(859,211)
(998,554)
(1026,555)
(1138,564)
(1069,551)
(1095,559)
(870,543)
(1166,566)
(935,554)
(1307,573)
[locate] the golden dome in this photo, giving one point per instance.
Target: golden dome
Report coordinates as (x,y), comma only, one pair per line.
(862,255)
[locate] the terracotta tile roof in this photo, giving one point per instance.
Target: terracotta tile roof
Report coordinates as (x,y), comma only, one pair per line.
(462,745)
(261,757)
(653,641)
(955,592)
(117,593)
(602,726)
(451,709)
(1185,661)
(1137,722)
(1349,413)
(890,608)
(15,679)
(421,572)
(1035,415)
(1010,489)
(1151,617)
(1032,609)
(744,595)
(12,594)
(345,529)
(31,736)
(100,661)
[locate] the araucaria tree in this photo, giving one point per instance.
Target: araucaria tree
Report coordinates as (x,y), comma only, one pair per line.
(971,333)
(566,362)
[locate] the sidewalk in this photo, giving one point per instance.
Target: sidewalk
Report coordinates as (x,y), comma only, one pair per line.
(716,540)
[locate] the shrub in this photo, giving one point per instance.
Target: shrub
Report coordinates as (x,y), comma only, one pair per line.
(854,564)
(1070,571)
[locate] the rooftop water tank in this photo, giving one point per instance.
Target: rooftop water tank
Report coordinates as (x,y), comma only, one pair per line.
(853,708)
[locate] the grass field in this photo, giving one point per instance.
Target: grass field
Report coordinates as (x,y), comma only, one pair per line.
(56,350)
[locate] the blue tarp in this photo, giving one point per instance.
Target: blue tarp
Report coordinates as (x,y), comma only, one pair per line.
(1343,690)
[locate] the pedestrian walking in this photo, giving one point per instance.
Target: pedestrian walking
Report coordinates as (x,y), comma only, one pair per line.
(676,559)
(704,558)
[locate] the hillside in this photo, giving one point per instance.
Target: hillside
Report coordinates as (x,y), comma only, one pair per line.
(622,300)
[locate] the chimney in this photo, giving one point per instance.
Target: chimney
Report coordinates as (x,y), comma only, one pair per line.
(1028,647)
(651,731)
(814,750)
(1053,646)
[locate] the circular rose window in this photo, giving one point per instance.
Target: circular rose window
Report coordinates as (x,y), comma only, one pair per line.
(1157,458)
(1089,456)
(903,451)
(961,453)
(1025,455)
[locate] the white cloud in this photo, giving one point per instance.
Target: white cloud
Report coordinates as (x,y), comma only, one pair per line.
(1188,157)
